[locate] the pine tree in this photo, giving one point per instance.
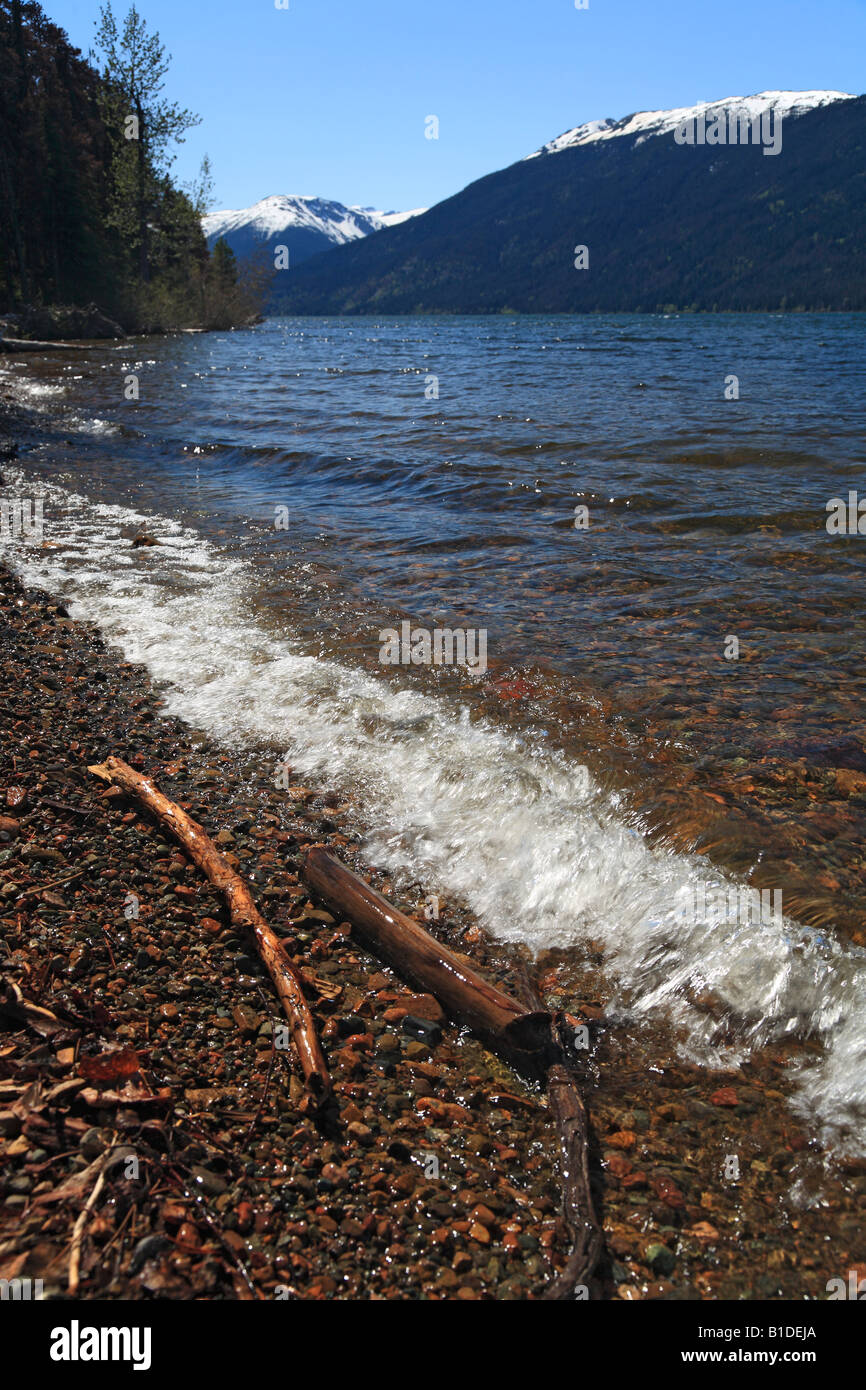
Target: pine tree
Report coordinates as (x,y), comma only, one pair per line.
(224,265)
(200,190)
(142,124)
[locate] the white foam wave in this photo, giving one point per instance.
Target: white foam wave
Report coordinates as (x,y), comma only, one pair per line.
(95,426)
(520,832)
(27,390)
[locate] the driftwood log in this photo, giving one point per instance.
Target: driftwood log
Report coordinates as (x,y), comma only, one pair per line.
(33,345)
(526,1035)
(244,914)
(578,1208)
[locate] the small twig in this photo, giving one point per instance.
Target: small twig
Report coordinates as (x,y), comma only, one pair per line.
(569,1112)
(55,883)
(61,806)
(106,934)
(67,1246)
(264,1096)
(244,914)
(119,1230)
(78,1232)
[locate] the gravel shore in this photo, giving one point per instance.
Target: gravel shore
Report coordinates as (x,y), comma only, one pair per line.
(435,1174)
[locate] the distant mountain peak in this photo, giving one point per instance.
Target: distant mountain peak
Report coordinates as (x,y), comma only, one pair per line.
(643,124)
(322,222)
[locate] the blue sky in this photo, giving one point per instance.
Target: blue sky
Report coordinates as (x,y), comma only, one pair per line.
(330,97)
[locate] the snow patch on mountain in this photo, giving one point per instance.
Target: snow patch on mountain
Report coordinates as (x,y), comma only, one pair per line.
(643,124)
(389,219)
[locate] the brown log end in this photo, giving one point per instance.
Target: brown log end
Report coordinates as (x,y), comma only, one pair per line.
(532,1035)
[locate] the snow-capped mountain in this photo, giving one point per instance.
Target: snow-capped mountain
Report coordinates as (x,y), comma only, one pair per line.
(643,124)
(304,224)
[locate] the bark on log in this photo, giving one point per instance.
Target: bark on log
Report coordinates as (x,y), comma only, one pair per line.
(526,1037)
(566,1104)
(243,912)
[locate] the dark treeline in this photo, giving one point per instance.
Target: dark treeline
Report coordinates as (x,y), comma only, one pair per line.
(88,209)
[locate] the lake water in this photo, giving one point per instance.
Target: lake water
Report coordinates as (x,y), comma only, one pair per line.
(673,701)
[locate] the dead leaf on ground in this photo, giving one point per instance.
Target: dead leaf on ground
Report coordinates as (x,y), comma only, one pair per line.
(115,1065)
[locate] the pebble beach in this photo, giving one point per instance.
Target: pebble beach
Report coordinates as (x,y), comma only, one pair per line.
(434,1174)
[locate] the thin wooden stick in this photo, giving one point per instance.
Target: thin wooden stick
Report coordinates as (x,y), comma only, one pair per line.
(244,914)
(78,1232)
(33,345)
(55,883)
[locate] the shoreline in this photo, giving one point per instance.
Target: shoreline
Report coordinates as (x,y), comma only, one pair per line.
(350,1213)
(347,1211)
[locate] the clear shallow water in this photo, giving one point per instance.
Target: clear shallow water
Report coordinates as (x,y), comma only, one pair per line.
(524,808)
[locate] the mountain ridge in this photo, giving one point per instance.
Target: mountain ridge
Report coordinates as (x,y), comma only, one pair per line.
(667,225)
(788,104)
